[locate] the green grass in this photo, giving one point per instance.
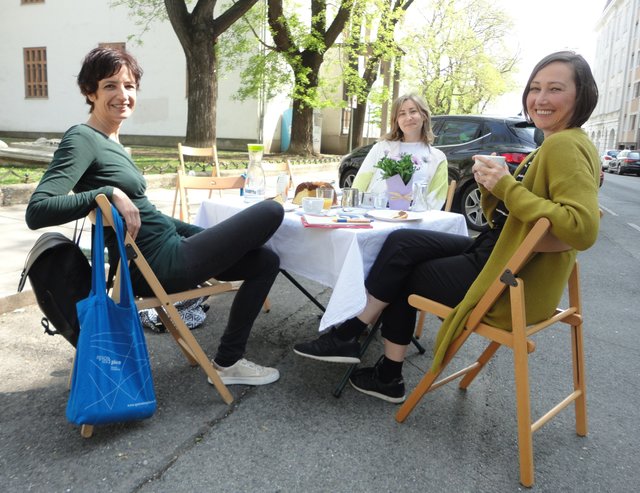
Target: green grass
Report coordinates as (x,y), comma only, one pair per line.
(149,159)
(14,175)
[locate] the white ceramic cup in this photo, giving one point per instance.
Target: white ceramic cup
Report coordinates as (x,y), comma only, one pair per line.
(312,205)
(497,159)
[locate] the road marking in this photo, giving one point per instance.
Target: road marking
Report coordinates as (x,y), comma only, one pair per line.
(634,226)
(608,211)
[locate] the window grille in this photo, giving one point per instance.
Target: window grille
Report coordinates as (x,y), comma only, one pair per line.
(35,73)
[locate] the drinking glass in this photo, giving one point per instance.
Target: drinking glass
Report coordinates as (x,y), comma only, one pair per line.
(327,195)
(380,201)
(419,197)
(350,198)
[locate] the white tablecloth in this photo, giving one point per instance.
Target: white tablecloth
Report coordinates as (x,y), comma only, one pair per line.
(337,258)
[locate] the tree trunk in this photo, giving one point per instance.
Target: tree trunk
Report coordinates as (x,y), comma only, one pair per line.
(301,129)
(202,95)
(302,117)
(197,32)
(359,113)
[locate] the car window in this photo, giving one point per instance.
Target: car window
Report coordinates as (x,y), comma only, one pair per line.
(634,155)
(613,153)
(457,132)
(528,133)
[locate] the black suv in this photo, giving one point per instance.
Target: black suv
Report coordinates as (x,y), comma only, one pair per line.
(460,137)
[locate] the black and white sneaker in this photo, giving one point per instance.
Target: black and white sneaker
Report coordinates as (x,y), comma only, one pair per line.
(328,347)
(367,381)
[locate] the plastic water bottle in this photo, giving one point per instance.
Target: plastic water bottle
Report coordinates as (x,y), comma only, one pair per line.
(254,184)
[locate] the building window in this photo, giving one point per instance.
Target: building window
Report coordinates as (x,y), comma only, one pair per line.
(35,73)
(115,46)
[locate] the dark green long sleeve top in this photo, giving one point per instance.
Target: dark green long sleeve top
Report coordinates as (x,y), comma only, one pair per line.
(88,163)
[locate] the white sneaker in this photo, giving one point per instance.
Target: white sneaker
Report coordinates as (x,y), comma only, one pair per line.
(245,372)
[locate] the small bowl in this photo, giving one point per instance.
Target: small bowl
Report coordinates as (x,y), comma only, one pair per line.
(312,205)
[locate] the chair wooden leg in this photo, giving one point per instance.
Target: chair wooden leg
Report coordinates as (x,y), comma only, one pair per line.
(196,351)
(175,202)
(86,431)
(579,380)
(429,378)
(420,324)
(521,371)
(415,396)
(484,358)
(577,349)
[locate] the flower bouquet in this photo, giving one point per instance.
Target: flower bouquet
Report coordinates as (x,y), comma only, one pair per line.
(398,173)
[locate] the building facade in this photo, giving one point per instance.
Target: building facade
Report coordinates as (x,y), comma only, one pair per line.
(615,123)
(43,44)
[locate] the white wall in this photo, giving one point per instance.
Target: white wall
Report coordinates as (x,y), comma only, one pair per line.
(69,29)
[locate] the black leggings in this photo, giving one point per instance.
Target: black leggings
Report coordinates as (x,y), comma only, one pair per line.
(231,251)
(439,266)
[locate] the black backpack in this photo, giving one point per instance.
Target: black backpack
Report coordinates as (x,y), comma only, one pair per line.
(60,276)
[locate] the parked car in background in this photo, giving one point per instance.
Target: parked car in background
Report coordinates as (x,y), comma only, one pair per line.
(460,137)
(608,156)
(627,161)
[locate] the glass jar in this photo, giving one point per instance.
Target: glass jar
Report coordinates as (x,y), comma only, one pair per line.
(254,184)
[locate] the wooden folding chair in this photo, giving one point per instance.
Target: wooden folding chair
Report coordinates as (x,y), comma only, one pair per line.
(163,303)
(450,193)
(185,182)
(539,239)
(199,152)
(279,167)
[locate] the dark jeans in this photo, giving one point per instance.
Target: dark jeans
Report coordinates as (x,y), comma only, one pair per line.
(231,251)
(439,266)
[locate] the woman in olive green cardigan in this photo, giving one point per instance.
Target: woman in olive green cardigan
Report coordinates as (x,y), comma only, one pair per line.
(558,181)
(561,184)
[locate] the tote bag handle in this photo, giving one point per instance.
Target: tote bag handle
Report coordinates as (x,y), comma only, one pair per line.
(98,280)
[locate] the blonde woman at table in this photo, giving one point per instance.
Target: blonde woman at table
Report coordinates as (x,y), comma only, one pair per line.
(90,160)
(410,134)
(558,181)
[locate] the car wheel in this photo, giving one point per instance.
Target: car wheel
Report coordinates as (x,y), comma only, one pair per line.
(472,209)
(618,172)
(347,177)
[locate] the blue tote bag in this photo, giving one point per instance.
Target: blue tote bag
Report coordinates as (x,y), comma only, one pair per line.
(111,375)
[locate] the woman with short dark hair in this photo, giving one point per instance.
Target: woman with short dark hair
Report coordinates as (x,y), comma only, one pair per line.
(90,161)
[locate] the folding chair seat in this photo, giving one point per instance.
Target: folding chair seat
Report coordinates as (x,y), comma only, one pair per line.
(163,303)
(211,156)
(518,340)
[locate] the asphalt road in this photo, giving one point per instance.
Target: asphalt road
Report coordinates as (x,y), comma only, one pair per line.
(295,436)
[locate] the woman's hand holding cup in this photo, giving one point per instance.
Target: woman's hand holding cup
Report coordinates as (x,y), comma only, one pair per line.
(487,170)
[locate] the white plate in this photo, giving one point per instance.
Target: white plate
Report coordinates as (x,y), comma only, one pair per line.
(390,215)
(288,206)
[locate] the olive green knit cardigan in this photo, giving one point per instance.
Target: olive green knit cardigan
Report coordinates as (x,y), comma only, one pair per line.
(561,184)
